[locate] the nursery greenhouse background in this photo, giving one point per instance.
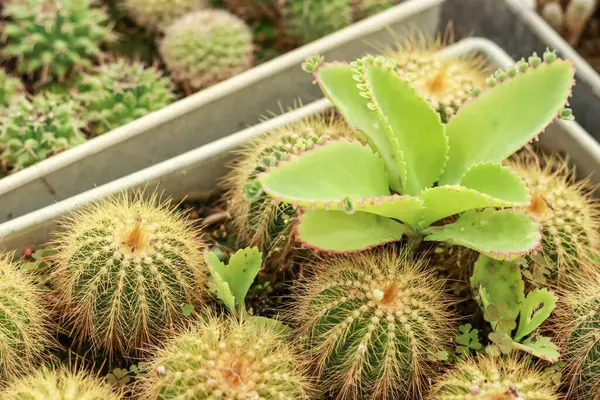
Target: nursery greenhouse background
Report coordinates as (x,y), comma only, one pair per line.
(299,199)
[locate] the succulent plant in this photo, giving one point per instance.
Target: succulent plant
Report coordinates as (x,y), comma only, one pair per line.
(255,9)
(223,358)
(494,378)
(565,209)
(125,266)
(24,330)
(206,47)
(37,128)
(58,384)
(366,8)
(309,20)
(120,92)
(157,15)
(372,321)
(353,197)
(11,89)
(257,219)
(53,38)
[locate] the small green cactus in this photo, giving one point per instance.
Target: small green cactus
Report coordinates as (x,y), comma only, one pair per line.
(120,92)
(11,89)
(258,220)
(309,20)
(222,358)
(24,330)
(58,384)
(205,47)
(372,321)
(366,8)
(53,38)
(255,9)
(125,267)
(494,378)
(35,129)
(157,15)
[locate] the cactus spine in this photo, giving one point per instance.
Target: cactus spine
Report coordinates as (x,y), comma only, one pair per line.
(260,221)
(125,266)
(206,47)
(157,15)
(371,321)
(226,359)
(24,330)
(494,378)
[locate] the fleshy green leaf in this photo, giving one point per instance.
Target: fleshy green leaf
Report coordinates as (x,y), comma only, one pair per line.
(241,271)
(502,340)
(218,286)
(502,282)
(270,324)
(504,118)
(338,85)
(540,347)
(413,123)
(536,308)
(187,310)
(500,234)
(337,231)
(497,181)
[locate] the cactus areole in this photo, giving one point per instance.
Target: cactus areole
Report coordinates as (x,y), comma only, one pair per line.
(409,171)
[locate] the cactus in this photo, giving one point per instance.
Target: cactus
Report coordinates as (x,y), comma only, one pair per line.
(11,89)
(372,320)
(125,266)
(255,9)
(366,8)
(36,129)
(157,15)
(205,47)
(309,20)
(577,14)
(494,378)
(54,38)
(565,209)
(554,16)
(223,358)
(260,221)
(120,92)
(58,384)
(24,330)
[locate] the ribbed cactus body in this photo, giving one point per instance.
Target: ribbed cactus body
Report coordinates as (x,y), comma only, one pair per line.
(494,378)
(372,320)
(225,359)
(11,89)
(261,221)
(205,47)
(36,129)
(59,384)
(53,38)
(23,327)
(157,15)
(126,265)
(309,20)
(120,92)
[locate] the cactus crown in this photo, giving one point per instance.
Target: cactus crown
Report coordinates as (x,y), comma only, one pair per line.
(354,196)
(23,327)
(158,15)
(36,129)
(494,378)
(372,320)
(119,92)
(205,47)
(11,88)
(310,20)
(126,265)
(223,358)
(52,38)
(59,384)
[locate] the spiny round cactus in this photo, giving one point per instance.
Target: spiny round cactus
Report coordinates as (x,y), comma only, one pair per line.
(564,207)
(366,8)
(309,20)
(576,326)
(125,267)
(11,89)
(24,330)
(372,320)
(255,9)
(257,219)
(494,378)
(35,129)
(120,92)
(157,15)
(59,384)
(227,359)
(206,47)
(445,82)
(52,38)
